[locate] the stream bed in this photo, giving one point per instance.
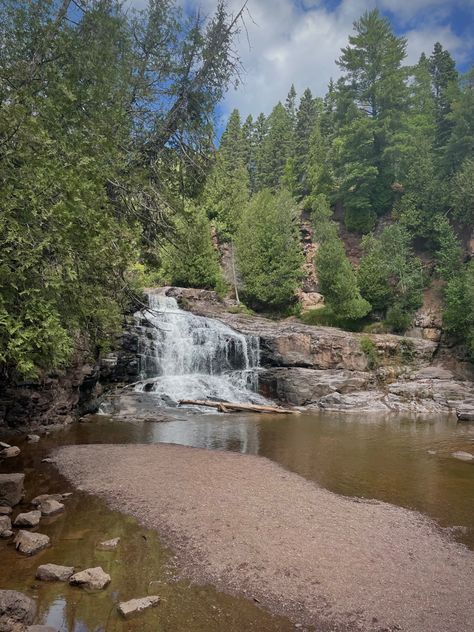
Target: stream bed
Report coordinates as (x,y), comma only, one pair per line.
(399,460)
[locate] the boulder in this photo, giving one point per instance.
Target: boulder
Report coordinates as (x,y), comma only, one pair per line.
(42,497)
(33,438)
(109,545)
(16,611)
(5,524)
(29,519)
(463,456)
(54,573)
(90,579)
(51,507)
(5,511)
(465,411)
(134,606)
(11,489)
(8,453)
(4,445)
(6,534)
(30,543)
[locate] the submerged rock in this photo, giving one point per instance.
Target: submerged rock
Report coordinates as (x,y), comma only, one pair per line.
(42,497)
(463,456)
(29,519)
(31,543)
(16,611)
(33,438)
(134,606)
(51,507)
(109,545)
(5,511)
(91,579)
(11,489)
(54,573)
(5,525)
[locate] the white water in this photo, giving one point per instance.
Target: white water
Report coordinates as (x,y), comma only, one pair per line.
(183,356)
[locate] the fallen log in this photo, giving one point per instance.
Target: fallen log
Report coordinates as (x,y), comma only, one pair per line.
(227,407)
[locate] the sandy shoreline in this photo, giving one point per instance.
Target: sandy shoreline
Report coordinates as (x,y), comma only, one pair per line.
(247,526)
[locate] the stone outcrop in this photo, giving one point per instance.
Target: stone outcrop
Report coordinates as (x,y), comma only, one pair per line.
(54,573)
(30,543)
(465,411)
(130,608)
(90,579)
(11,489)
(16,611)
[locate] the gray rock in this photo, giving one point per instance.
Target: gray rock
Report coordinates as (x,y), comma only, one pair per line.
(11,489)
(135,606)
(41,628)
(16,611)
(5,511)
(29,519)
(42,497)
(51,507)
(465,411)
(90,579)
(8,453)
(6,534)
(33,438)
(54,573)
(109,545)
(463,456)
(4,445)
(5,524)
(30,543)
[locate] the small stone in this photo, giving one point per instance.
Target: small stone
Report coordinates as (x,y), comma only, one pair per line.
(33,438)
(463,456)
(42,497)
(30,543)
(51,507)
(8,453)
(90,579)
(28,519)
(4,445)
(431,452)
(54,573)
(16,610)
(5,511)
(47,460)
(5,524)
(11,489)
(109,545)
(134,606)
(6,534)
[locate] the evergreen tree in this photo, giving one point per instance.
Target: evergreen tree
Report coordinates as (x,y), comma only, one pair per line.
(290,104)
(461,142)
(268,250)
(305,122)
(374,82)
(444,77)
(276,148)
(458,316)
(260,133)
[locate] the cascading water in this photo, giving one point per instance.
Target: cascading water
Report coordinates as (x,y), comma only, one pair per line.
(183,356)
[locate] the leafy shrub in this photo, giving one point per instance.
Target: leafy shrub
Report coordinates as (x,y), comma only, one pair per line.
(397,319)
(370,350)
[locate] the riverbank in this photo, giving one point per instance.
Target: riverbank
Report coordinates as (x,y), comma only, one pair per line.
(247,526)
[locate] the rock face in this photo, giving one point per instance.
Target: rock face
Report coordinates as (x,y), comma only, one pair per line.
(465,411)
(11,489)
(29,519)
(51,507)
(54,573)
(16,611)
(130,608)
(90,579)
(30,543)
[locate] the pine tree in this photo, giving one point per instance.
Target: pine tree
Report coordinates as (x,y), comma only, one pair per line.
(460,145)
(268,250)
(260,133)
(305,122)
(444,78)
(276,148)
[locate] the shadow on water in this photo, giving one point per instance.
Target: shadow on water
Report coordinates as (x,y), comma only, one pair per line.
(400,460)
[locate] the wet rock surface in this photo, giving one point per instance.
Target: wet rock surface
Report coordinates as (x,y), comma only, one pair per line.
(54,572)
(91,579)
(16,611)
(10,452)
(28,519)
(109,545)
(5,524)
(134,606)
(11,489)
(51,507)
(30,543)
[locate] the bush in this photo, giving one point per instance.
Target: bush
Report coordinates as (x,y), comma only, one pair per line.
(398,320)
(370,350)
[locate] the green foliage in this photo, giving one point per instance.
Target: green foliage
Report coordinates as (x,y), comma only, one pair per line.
(397,319)
(407,350)
(276,148)
(268,250)
(463,193)
(458,317)
(390,275)
(191,260)
(325,317)
(369,348)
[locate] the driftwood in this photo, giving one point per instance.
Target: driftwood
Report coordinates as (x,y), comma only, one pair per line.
(228,407)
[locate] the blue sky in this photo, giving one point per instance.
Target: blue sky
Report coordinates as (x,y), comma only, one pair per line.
(299,40)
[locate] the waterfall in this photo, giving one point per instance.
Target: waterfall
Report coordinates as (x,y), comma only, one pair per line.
(184,356)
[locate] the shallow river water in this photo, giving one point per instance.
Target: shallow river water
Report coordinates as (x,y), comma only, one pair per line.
(400,460)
